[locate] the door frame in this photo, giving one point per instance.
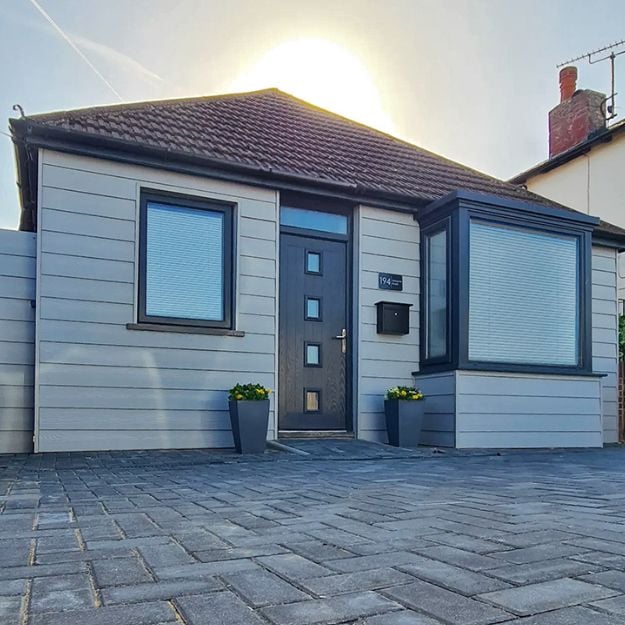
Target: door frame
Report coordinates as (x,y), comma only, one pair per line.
(349,307)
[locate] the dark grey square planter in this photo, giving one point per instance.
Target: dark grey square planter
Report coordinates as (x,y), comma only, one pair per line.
(404,419)
(249,420)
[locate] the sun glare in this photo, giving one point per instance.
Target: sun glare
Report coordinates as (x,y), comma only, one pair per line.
(321,72)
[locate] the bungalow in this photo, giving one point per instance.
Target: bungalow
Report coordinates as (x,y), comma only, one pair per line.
(174,248)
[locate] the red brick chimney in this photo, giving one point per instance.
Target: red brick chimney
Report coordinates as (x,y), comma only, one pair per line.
(578,116)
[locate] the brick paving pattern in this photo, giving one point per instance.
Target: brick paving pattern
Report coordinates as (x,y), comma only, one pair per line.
(351,534)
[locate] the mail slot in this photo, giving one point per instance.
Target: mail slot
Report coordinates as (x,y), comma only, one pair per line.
(393,318)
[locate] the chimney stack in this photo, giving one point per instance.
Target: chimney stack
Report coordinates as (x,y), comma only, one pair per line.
(578,116)
(568,82)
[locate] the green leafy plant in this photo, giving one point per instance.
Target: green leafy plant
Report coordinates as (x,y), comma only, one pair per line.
(249,392)
(403,392)
(621,336)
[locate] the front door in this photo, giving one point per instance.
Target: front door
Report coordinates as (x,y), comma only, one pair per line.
(313,341)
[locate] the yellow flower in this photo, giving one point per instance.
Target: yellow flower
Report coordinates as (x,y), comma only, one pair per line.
(238,396)
(403,393)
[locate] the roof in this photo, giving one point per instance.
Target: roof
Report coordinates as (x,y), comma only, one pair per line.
(603,136)
(278,135)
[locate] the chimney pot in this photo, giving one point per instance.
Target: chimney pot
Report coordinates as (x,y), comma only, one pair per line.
(568,82)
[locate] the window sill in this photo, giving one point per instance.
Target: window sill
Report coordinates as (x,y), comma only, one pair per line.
(161,327)
(512,369)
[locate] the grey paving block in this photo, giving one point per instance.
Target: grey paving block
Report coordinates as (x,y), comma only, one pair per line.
(543,571)
(569,616)
(153,613)
(120,571)
(216,555)
(377,561)
(319,551)
(372,579)
(615,605)
(405,617)
(205,569)
(261,588)
(12,587)
(294,566)
(452,577)
(610,579)
(467,543)
(537,537)
(43,570)
(446,605)
(559,593)
(159,590)
(329,611)
(222,608)
(170,554)
(10,608)
(460,557)
(538,553)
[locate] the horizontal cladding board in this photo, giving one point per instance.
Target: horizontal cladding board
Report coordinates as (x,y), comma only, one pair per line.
(378,385)
(16,396)
(496,440)
(604,335)
(20,442)
(88,440)
(74,223)
(257,305)
(87,246)
(258,229)
(257,267)
(18,243)
(16,420)
(115,419)
(368,313)
(604,278)
(374,436)
(368,333)
(155,357)
(17,288)
(391,231)
(117,334)
(431,423)
(87,290)
(87,182)
(17,266)
(249,285)
(258,324)
(484,384)
(604,263)
(601,251)
(51,308)
(88,203)
(16,375)
(149,378)
(603,292)
(88,268)
(398,352)
(439,421)
(515,404)
(183,183)
(17,309)
(382,214)
(373,368)
(257,248)
(389,264)
(16,353)
(140,398)
(605,307)
(604,350)
(600,320)
(526,423)
(601,364)
(389,247)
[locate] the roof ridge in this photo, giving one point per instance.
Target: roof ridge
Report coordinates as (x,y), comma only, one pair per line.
(148,103)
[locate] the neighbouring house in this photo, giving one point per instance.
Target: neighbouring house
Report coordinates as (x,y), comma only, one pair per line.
(586,159)
(170,249)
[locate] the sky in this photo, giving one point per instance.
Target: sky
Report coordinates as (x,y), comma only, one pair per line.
(472,80)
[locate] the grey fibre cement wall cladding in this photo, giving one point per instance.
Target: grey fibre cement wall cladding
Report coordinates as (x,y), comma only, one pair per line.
(17,339)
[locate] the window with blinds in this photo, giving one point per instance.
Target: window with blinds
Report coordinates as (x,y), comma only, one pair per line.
(436,294)
(523,296)
(185,251)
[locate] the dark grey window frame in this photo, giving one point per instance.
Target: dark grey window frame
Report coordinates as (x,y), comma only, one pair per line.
(458,214)
(228,247)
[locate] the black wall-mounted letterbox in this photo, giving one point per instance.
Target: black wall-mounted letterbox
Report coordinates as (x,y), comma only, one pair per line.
(393,318)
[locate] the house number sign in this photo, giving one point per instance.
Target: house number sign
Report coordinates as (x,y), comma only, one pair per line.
(390,282)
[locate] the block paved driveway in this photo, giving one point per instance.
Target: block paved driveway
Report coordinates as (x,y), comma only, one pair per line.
(387,539)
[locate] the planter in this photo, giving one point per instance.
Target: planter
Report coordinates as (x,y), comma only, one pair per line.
(404,419)
(249,421)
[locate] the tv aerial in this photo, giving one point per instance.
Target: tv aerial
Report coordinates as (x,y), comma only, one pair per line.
(607,53)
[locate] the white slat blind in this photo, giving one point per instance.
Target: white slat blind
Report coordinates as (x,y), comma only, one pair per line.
(523,296)
(184,263)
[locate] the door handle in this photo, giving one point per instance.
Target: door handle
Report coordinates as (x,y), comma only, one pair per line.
(343,338)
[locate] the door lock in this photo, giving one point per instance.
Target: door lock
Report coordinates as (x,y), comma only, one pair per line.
(343,338)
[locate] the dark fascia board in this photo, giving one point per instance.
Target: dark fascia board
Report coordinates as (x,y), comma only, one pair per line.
(602,239)
(462,196)
(28,134)
(603,136)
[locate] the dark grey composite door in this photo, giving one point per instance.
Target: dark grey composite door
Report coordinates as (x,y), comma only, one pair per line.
(313,318)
